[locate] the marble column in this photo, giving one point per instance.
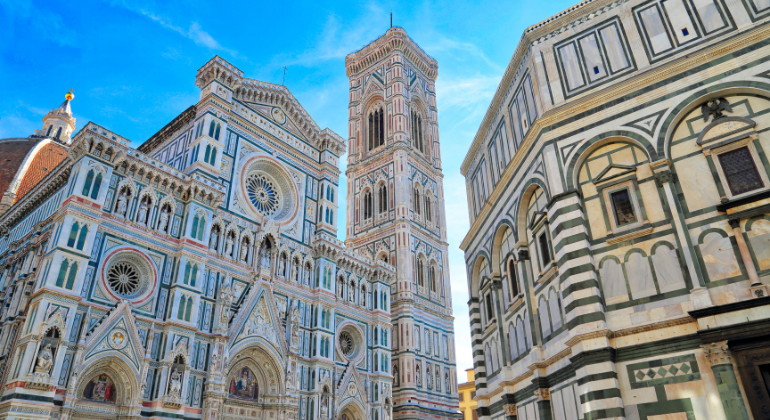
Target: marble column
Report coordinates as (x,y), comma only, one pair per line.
(718,356)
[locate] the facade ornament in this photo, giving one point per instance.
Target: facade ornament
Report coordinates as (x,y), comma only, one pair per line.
(44,360)
(510,409)
(664,177)
(244,251)
(543,394)
(175,384)
(523,255)
(141,217)
(715,107)
(163,224)
(229,246)
(717,353)
(122,204)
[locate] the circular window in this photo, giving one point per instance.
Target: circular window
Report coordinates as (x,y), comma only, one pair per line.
(346,343)
(127,274)
(123,278)
(263,194)
(268,190)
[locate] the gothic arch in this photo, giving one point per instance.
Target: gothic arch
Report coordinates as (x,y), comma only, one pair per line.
(523,205)
(481,260)
(497,243)
(263,362)
(119,372)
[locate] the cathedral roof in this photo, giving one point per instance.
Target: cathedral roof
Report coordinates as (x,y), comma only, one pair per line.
(23,163)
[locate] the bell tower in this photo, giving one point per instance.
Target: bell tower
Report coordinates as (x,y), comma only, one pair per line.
(59,123)
(395,206)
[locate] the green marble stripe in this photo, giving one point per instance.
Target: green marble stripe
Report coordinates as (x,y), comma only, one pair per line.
(573,255)
(600,395)
(584,319)
(582,302)
(586,284)
(606,413)
(571,240)
(597,377)
(576,270)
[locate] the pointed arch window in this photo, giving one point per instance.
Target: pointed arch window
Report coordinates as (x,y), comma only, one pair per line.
(512,278)
(418,141)
(78,236)
(67,274)
(196,231)
(383,198)
(50,130)
(432,279)
(420,272)
(58,133)
(367,204)
(416,203)
(184,312)
(428,205)
(214,128)
(190,274)
(92,185)
(376,128)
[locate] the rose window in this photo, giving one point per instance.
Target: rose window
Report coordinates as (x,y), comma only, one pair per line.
(123,278)
(346,343)
(263,194)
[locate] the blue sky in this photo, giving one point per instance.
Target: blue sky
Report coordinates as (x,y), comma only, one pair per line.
(132,65)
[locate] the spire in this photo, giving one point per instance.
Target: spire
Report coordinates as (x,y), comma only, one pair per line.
(59,123)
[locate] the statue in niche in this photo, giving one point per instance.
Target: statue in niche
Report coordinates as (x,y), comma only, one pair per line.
(265,258)
(289,376)
(307,275)
(141,217)
(294,272)
(213,240)
(363,297)
(163,224)
(244,251)
(325,404)
(122,203)
(281,266)
(44,360)
(175,386)
(352,293)
(229,246)
(417,376)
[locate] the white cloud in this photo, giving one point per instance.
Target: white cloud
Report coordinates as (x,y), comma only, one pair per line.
(194,32)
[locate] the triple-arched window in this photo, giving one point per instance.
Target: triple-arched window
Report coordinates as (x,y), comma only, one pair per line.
(376,128)
(432,279)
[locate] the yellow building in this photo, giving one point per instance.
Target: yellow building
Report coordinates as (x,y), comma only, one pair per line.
(467,392)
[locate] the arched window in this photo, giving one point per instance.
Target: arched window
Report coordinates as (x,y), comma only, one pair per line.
(416,203)
(216,133)
(196,231)
(432,279)
(383,198)
(419,273)
(58,133)
(87,184)
(208,154)
(67,273)
(82,238)
(60,279)
(514,284)
(367,204)
(97,185)
(213,157)
(50,129)
(73,234)
(418,142)
(428,208)
(180,310)
(212,128)
(376,128)
(190,274)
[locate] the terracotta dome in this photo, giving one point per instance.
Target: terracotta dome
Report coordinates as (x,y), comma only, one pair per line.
(24,162)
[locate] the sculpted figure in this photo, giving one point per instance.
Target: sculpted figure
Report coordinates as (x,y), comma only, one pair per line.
(122,204)
(265,259)
(142,213)
(244,251)
(44,360)
(175,387)
(213,240)
(163,224)
(229,246)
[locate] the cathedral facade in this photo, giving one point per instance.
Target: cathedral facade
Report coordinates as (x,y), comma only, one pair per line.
(618,257)
(200,275)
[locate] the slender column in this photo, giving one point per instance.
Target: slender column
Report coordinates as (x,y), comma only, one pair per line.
(726,379)
(751,270)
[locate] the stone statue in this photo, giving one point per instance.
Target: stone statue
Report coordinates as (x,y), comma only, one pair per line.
(363,298)
(122,204)
(281,266)
(175,386)
(163,224)
(44,360)
(244,251)
(213,240)
(265,259)
(142,213)
(229,246)
(352,294)
(294,273)
(307,275)
(289,376)
(324,404)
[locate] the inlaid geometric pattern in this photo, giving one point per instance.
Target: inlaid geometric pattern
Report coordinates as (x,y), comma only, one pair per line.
(664,371)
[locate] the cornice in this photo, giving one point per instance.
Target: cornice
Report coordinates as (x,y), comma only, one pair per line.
(597,98)
(395,39)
